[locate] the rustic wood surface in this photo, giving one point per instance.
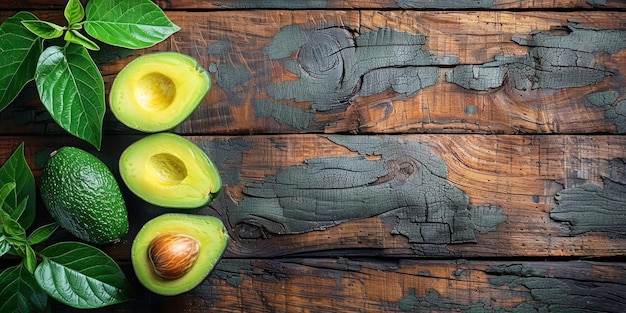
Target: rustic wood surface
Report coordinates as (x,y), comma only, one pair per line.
(507,185)
(347,4)
(422,87)
(406,285)
(391,156)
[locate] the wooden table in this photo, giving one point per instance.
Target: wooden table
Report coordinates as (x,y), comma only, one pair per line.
(392,156)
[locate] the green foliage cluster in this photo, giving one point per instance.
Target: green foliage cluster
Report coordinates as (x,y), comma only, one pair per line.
(71,88)
(73,273)
(68,80)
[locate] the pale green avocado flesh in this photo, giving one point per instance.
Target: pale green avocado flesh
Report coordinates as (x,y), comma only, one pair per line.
(170,171)
(209,231)
(157,91)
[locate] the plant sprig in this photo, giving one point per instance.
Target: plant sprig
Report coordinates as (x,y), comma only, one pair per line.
(68,81)
(96,279)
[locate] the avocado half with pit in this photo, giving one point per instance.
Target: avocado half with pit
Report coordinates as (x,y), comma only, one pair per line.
(157,91)
(173,253)
(167,170)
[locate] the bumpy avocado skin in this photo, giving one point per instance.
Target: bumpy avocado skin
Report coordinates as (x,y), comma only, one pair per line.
(209,231)
(83,196)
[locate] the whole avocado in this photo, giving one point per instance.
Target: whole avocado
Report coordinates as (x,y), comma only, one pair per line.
(83,196)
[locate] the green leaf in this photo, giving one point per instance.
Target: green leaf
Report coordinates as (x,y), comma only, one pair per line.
(17,248)
(133,24)
(42,233)
(76,37)
(5,246)
(72,90)
(5,190)
(19,51)
(20,209)
(30,259)
(74,12)
(81,276)
(19,245)
(10,227)
(20,204)
(13,230)
(43,29)
(20,292)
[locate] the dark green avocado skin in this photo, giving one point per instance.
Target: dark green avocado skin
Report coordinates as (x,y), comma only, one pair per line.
(83,196)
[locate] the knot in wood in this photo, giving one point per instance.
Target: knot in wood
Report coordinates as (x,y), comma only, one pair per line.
(321,56)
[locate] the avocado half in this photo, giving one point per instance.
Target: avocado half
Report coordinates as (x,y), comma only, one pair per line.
(209,232)
(170,171)
(157,91)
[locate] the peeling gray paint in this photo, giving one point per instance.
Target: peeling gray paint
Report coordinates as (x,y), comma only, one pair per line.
(406,81)
(596,2)
(615,112)
(284,113)
(519,270)
(348,265)
(486,218)
(231,270)
(546,293)
(227,154)
(431,249)
(602,98)
(555,61)
(272,4)
(220,47)
(433,301)
(537,291)
(334,65)
(617,168)
(407,185)
(471,109)
(579,38)
(541,295)
(445,4)
(230,76)
(617,115)
(590,207)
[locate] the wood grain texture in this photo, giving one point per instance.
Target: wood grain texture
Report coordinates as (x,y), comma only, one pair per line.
(463,196)
(487,72)
(345,4)
(389,156)
(370,285)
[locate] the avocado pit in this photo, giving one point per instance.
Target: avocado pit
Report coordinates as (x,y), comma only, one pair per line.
(167,168)
(170,171)
(155,91)
(158,91)
(173,254)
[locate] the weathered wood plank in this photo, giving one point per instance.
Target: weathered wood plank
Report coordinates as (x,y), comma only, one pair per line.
(325,222)
(404,195)
(345,4)
(356,285)
(437,195)
(277,71)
